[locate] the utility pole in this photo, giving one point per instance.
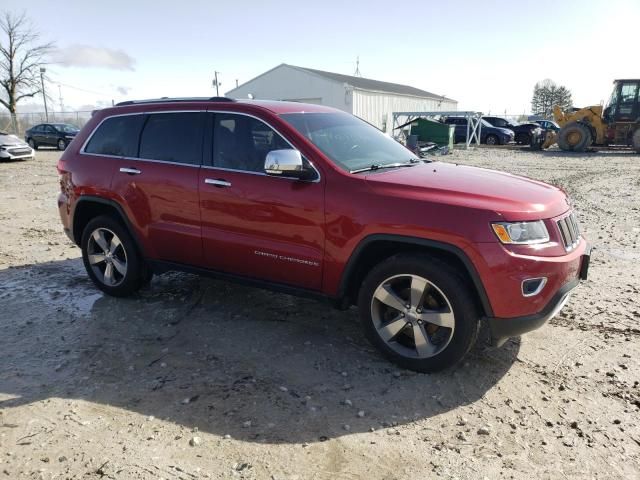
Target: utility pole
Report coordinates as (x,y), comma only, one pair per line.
(236,83)
(61,101)
(215,83)
(44,94)
(357,72)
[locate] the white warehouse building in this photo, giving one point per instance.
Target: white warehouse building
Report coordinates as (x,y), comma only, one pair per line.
(371,100)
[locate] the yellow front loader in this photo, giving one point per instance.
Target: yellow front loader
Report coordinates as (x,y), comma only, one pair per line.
(617,124)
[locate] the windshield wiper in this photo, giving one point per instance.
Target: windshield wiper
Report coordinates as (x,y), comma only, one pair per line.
(377,166)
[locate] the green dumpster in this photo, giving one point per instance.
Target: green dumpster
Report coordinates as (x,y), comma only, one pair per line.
(432,131)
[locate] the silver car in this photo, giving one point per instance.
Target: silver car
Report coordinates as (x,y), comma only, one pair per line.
(12,148)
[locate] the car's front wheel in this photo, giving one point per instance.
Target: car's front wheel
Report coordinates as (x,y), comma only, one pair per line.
(419,312)
(111,258)
(492,140)
(32,144)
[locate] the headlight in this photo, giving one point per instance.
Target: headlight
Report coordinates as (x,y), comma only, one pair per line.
(521,233)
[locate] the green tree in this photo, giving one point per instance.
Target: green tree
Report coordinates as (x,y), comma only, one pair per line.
(546,95)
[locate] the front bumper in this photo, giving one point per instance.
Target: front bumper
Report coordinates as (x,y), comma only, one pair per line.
(17,153)
(504,328)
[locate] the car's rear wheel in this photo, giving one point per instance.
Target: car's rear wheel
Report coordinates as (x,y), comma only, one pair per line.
(111,258)
(492,140)
(419,312)
(61,144)
(32,144)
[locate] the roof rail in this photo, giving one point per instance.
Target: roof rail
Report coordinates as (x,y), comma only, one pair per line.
(169,100)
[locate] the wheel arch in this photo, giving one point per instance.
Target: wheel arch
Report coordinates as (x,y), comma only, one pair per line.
(375,248)
(88,207)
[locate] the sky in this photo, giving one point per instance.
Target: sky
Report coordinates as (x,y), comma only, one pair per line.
(487,55)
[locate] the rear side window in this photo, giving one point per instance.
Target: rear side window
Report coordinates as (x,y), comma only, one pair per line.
(173,137)
(116,136)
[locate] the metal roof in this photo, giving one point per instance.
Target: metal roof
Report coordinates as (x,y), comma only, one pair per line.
(375,85)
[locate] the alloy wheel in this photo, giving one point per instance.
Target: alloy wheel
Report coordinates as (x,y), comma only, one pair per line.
(61,144)
(107,257)
(412,316)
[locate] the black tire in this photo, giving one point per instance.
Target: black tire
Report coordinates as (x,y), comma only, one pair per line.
(523,139)
(574,137)
(61,144)
(492,140)
(636,140)
(32,144)
(450,285)
(135,276)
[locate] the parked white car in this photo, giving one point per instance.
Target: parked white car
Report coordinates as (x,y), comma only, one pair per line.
(12,148)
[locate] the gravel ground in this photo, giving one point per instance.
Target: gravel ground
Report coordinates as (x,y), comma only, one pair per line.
(197,378)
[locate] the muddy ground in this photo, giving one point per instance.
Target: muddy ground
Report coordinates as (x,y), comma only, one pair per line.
(197,378)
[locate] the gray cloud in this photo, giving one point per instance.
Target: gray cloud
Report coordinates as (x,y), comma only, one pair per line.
(122,90)
(87,56)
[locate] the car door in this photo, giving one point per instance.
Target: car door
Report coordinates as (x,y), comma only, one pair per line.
(158,184)
(50,136)
(38,134)
(627,107)
(256,225)
(460,132)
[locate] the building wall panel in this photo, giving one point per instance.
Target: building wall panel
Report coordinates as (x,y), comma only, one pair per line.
(377,107)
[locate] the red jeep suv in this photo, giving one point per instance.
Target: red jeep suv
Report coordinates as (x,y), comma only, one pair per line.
(309,200)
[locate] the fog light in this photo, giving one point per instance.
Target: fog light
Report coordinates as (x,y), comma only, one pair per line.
(533,286)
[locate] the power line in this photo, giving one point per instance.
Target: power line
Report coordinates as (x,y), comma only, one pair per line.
(84,90)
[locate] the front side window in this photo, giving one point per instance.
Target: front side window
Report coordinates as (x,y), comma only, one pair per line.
(349,142)
(66,128)
(628,92)
(117,136)
(173,137)
(242,143)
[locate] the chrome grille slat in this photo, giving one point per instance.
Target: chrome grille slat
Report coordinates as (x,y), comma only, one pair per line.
(569,231)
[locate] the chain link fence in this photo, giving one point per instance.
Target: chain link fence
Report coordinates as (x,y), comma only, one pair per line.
(27,120)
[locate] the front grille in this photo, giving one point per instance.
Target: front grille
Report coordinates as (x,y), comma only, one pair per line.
(569,231)
(19,151)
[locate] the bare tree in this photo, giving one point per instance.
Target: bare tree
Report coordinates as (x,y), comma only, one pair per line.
(21,56)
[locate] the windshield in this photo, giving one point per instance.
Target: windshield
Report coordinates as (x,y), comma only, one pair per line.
(486,124)
(66,128)
(349,142)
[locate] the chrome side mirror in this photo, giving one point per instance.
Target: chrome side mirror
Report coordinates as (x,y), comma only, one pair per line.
(285,163)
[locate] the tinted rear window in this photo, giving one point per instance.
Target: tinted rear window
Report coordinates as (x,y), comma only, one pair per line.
(117,136)
(173,137)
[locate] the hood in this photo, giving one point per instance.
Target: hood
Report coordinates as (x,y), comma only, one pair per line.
(505,131)
(509,196)
(7,139)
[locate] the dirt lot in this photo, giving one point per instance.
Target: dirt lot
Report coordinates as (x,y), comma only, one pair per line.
(197,378)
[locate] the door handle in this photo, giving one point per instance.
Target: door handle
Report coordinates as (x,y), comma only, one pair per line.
(218,183)
(130,171)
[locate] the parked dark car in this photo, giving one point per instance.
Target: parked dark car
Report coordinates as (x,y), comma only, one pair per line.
(488,133)
(522,131)
(57,135)
(548,125)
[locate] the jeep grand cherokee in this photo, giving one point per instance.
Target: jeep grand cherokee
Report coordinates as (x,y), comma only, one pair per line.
(309,200)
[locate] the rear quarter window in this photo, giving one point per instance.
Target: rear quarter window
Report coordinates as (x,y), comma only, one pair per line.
(116,136)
